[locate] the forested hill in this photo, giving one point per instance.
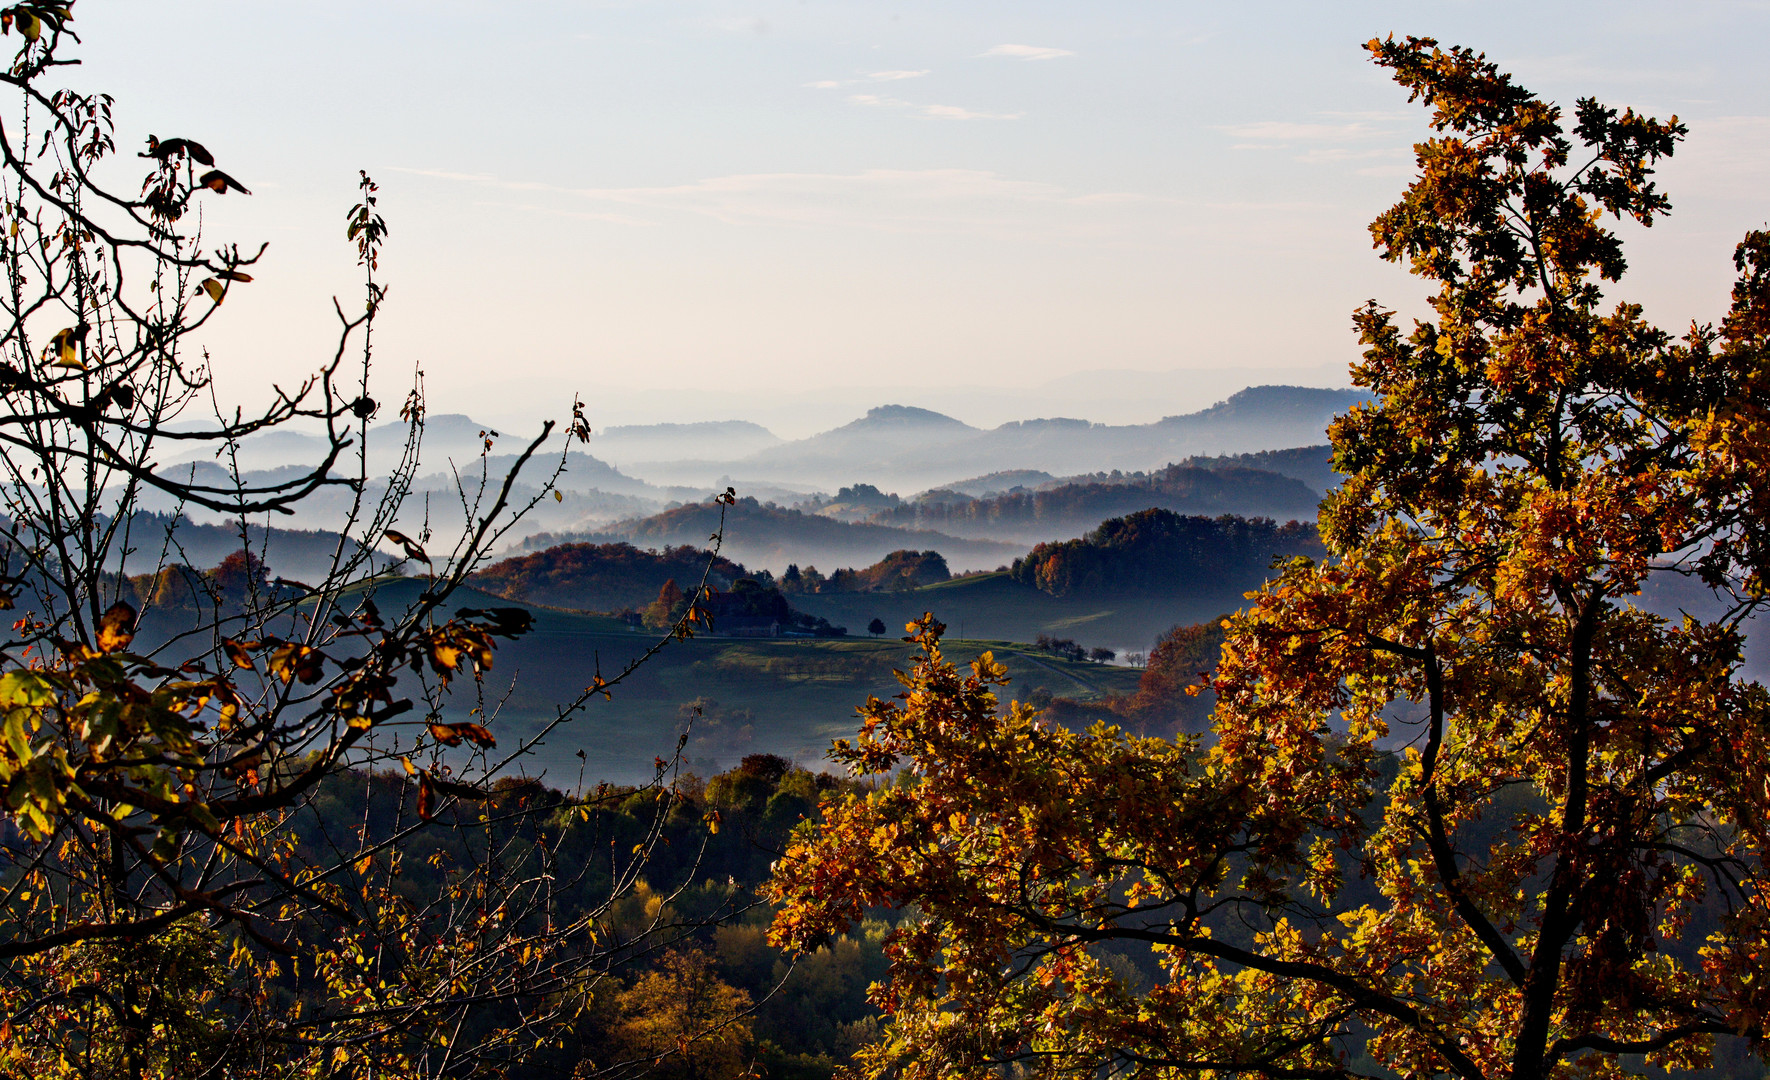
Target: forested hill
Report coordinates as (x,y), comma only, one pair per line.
(1159,551)
(1075,507)
(1313,465)
(601,577)
(765,535)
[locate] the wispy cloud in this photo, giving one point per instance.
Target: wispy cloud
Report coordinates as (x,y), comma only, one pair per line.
(1724,158)
(1348,141)
(954,112)
(871,76)
(1283,131)
(1346,153)
(878,101)
(943,112)
(1027,52)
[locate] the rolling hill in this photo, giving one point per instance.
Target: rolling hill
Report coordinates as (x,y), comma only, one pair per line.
(1120,587)
(781,696)
(767,536)
(1062,510)
(1313,465)
(601,577)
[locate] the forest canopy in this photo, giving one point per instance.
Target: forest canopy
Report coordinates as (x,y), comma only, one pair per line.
(1465,808)
(1159,550)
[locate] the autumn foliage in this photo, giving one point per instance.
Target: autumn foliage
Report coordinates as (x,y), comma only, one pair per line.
(1159,550)
(1466,807)
(600,577)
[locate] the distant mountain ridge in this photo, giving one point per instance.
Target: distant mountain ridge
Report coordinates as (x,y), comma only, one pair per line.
(1266,403)
(893,447)
(707,439)
(1069,509)
(1313,465)
(768,536)
(899,446)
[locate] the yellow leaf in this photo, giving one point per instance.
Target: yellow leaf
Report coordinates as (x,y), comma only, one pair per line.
(116,629)
(65,347)
(452,734)
(214,288)
(557,497)
(236,653)
(411,769)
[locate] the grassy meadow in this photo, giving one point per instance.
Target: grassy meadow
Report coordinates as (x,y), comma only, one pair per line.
(996,607)
(787,696)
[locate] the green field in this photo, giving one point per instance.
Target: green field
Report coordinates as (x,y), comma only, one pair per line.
(781,696)
(995,606)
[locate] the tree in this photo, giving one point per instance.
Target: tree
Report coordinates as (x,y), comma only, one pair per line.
(598,577)
(1168,697)
(683,1017)
(1467,809)
(175,897)
(241,579)
(876,627)
(902,571)
(1159,551)
(664,611)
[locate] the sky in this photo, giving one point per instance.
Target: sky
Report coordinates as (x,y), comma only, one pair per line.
(789,211)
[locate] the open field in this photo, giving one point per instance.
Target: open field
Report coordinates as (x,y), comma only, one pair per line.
(995,606)
(781,696)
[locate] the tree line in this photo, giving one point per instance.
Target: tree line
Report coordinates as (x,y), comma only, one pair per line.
(1159,550)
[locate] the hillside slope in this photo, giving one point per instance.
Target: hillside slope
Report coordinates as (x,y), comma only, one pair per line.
(1122,585)
(783,696)
(1057,511)
(767,536)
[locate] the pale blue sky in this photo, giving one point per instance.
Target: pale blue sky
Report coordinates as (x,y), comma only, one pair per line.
(789,211)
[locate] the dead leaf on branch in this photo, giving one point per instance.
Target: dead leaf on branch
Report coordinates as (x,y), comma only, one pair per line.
(410,546)
(237,653)
(116,628)
(431,787)
(65,347)
(219,182)
(293,660)
(167,149)
(452,734)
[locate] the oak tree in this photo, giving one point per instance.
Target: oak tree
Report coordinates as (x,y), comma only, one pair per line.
(1467,807)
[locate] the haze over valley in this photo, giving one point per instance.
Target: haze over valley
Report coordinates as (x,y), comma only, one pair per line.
(897,477)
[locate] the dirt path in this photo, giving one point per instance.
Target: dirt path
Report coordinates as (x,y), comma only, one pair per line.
(1092,688)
